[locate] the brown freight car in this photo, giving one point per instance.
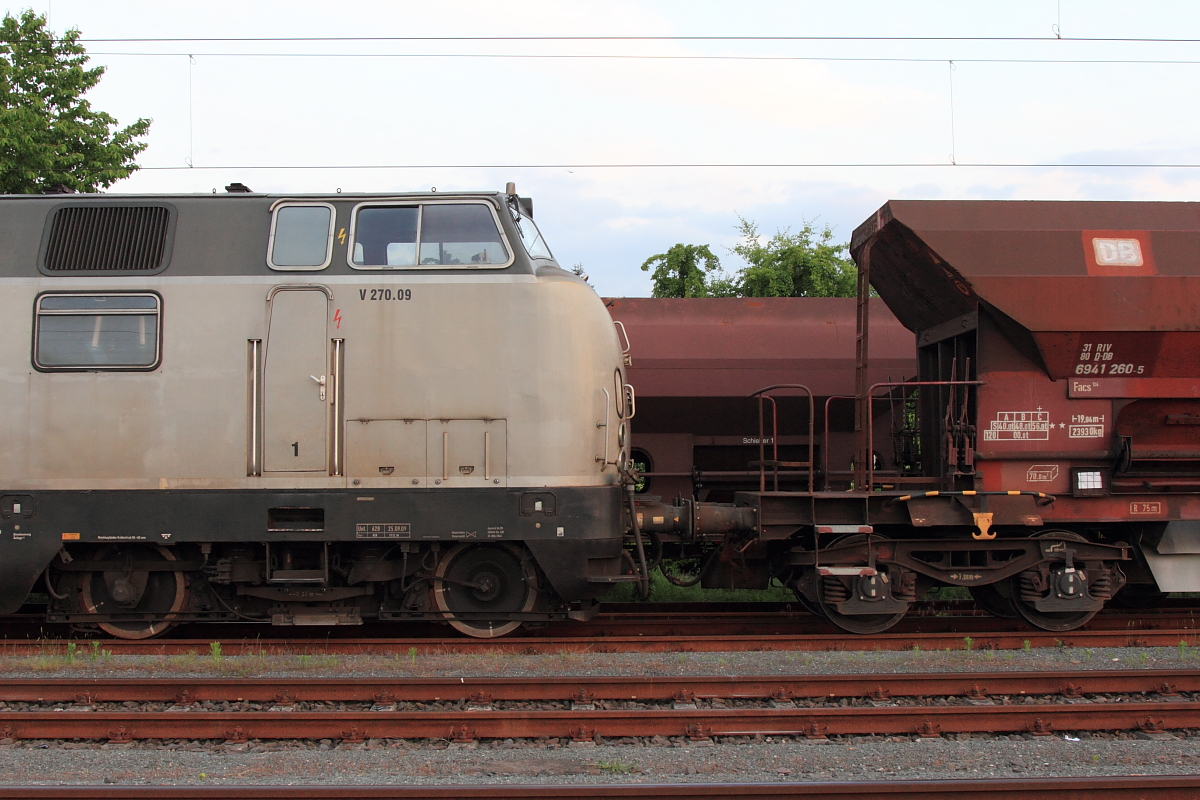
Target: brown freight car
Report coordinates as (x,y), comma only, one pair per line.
(1045,455)
(695,363)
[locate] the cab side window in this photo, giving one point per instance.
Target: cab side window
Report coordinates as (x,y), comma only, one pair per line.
(97,332)
(301,236)
(463,235)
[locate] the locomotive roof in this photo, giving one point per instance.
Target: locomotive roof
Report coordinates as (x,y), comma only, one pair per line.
(730,347)
(224,233)
(1048,265)
(100,196)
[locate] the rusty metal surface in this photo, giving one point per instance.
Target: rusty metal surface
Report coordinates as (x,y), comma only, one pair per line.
(960,618)
(485,690)
(1037,263)
(1149,787)
(698,724)
(730,347)
(720,643)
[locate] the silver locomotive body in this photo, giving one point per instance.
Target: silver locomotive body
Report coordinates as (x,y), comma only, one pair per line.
(305,410)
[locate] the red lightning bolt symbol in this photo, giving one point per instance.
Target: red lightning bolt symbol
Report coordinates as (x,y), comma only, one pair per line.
(337,318)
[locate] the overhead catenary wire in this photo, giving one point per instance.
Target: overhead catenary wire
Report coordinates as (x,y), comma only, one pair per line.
(653,57)
(1055,39)
(698,165)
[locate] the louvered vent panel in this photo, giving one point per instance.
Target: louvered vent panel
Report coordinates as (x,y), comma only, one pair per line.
(108,238)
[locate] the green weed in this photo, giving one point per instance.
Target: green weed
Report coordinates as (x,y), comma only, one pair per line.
(1028,647)
(214,652)
(968,643)
(615,767)
(72,647)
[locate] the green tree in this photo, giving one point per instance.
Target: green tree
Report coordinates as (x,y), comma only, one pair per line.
(688,270)
(807,263)
(49,134)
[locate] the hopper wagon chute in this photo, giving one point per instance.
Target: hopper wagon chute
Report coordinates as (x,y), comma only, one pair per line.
(1073,329)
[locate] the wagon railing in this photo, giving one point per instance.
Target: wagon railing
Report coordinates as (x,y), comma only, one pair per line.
(774,463)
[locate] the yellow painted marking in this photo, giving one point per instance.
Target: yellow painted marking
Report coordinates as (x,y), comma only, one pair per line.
(1013,494)
(983,521)
(968,493)
(70,536)
(342,236)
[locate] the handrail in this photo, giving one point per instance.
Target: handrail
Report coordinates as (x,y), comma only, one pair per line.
(761,395)
(607,402)
(337,398)
(869,455)
(825,448)
(254,407)
(628,345)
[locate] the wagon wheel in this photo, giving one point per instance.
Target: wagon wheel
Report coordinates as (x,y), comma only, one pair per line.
(160,595)
(484,579)
(1056,621)
(855,623)
(990,600)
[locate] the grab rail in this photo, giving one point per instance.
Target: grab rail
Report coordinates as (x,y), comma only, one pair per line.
(774,462)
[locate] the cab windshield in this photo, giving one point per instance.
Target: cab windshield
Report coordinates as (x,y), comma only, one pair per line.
(531,237)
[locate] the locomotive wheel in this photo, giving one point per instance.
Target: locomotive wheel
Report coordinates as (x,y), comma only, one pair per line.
(1056,621)
(483,579)
(160,594)
(990,600)
(863,624)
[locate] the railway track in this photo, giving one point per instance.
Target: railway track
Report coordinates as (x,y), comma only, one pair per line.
(592,710)
(965,638)
(660,627)
(1156,787)
(678,619)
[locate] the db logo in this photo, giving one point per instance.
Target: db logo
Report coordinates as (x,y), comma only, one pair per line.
(1118,252)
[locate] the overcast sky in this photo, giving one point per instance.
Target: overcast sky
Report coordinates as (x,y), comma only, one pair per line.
(422,103)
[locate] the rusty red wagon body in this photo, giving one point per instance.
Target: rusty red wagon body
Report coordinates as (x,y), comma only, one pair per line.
(1044,453)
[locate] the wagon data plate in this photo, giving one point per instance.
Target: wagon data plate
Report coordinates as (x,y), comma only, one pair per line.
(383,530)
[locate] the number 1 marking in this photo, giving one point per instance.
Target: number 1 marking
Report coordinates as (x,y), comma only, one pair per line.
(296,449)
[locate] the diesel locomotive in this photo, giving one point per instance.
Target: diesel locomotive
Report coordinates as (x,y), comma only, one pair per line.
(303,410)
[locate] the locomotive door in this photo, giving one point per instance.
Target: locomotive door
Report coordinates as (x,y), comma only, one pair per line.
(296,382)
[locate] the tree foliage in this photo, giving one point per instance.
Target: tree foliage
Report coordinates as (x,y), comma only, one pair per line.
(687,270)
(807,263)
(49,134)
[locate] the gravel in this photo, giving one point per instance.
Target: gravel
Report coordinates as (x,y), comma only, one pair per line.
(548,761)
(509,761)
(274,663)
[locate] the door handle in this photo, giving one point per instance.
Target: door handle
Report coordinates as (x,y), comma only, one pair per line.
(320,382)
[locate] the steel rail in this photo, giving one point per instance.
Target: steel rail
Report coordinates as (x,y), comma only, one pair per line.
(708,619)
(1147,787)
(720,643)
(1070,683)
(697,724)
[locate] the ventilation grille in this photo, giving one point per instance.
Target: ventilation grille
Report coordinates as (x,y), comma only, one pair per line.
(108,238)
